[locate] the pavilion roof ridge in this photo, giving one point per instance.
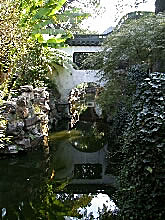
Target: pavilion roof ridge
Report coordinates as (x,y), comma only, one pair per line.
(87,39)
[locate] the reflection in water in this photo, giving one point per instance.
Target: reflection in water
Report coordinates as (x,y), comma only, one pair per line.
(88,171)
(93,136)
(53,185)
(76,164)
(98,203)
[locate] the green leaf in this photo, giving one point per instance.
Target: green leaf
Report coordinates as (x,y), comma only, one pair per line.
(55,40)
(38,2)
(42,24)
(42,12)
(40,38)
(58,7)
(149,169)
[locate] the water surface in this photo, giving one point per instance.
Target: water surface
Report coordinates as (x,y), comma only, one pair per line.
(59,183)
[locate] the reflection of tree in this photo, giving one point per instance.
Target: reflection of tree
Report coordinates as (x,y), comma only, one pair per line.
(43,202)
(106,214)
(52,206)
(93,137)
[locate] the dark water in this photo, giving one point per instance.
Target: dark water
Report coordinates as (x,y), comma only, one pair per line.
(60,182)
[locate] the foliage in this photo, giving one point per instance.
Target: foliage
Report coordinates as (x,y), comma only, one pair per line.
(29,29)
(132,94)
(90,6)
(71,19)
(122,4)
(159,6)
(38,16)
(123,69)
(13,40)
(137,45)
(92,137)
(38,65)
(141,176)
(141,42)
(87,7)
(51,205)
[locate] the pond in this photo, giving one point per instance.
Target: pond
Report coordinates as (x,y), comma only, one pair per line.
(68,180)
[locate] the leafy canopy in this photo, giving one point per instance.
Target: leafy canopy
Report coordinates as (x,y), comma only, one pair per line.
(28,30)
(138,40)
(131,56)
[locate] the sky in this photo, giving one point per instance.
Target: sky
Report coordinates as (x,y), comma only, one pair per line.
(108,16)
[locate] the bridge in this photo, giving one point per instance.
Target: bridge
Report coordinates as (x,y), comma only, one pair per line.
(79,47)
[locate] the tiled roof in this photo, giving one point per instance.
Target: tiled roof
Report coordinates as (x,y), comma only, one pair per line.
(86,40)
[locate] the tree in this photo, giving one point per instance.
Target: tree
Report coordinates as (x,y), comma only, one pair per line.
(159,6)
(85,8)
(136,43)
(141,174)
(29,29)
(130,63)
(9,34)
(50,205)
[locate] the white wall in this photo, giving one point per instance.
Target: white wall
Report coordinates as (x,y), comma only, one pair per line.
(68,78)
(71,49)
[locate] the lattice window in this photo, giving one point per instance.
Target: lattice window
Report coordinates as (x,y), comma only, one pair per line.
(88,171)
(79,58)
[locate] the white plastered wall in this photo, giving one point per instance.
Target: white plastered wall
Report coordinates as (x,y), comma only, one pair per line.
(68,78)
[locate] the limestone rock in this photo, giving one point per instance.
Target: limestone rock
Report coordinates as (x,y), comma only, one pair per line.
(10,107)
(45,107)
(15,128)
(27,118)
(31,121)
(26,88)
(25,143)
(13,149)
(37,141)
(21,102)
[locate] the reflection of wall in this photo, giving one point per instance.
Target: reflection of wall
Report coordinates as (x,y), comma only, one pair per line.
(66,79)
(62,161)
(66,158)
